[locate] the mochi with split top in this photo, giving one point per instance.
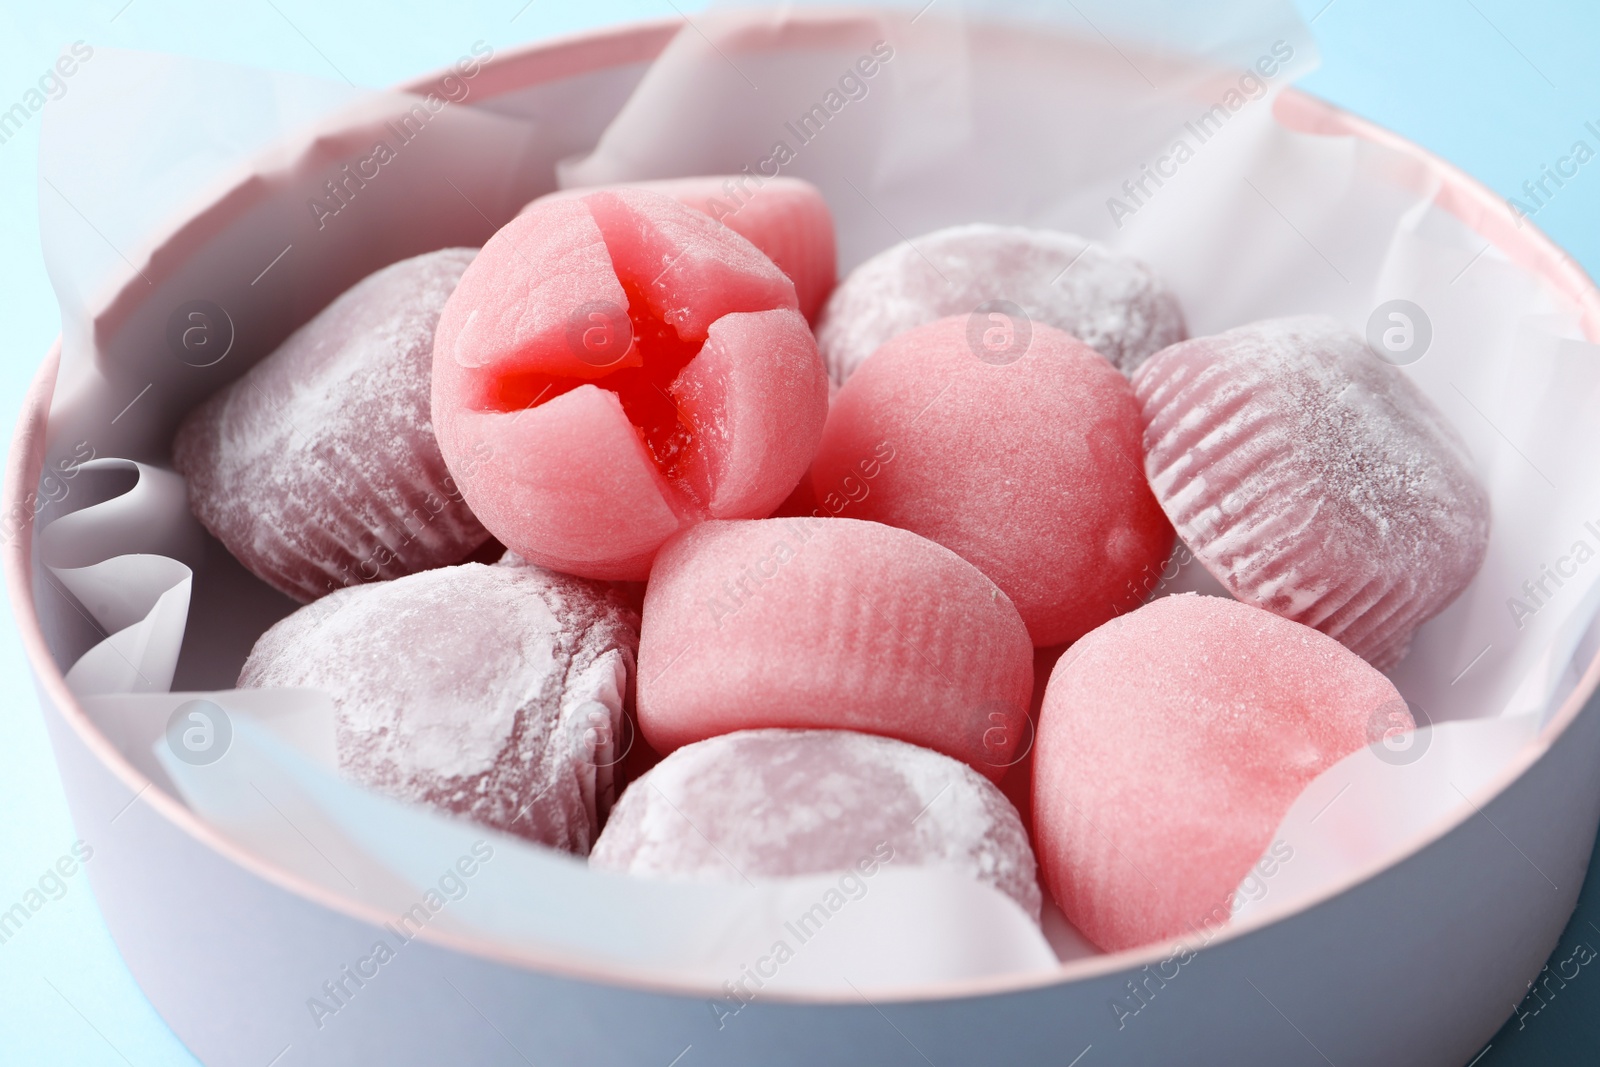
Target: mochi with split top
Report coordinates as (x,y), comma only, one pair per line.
(614,367)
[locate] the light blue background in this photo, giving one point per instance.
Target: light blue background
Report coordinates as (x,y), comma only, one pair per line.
(1499,87)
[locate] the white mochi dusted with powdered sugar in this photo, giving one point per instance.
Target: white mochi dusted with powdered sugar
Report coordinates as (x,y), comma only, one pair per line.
(1110,301)
(491,692)
(1314,480)
(780,803)
(318,468)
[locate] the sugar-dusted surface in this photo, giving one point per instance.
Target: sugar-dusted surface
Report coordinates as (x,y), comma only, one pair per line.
(1172,740)
(318,468)
(704,398)
(492,692)
(1031,470)
(786,218)
(1314,479)
(775,803)
(1112,302)
(836,624)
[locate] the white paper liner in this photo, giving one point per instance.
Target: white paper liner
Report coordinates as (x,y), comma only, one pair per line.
(264,792)
(108,557)
(1258,221)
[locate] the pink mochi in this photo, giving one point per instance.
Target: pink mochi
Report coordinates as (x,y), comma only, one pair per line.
(1110,301)
(832,624)
(615,367)
(490,692)
(1031,470)
(1314,479)
(318,468)
(1171,743)
(782,803)
(786,218)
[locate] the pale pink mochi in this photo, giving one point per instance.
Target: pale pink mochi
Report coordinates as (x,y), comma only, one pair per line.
(1314,479)
(491,692)
(1171,743)
(786,218)
(1110,301)
(614,367)
(318,468)
(782,803)
(1031,470)
(836,624)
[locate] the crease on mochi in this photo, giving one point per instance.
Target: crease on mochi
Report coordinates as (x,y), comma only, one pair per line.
(680,500)
(582,261)
(680,503)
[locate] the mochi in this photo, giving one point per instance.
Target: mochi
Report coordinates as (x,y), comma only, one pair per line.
(780,803)
(490,692)
(318,468)
(1172,741)
(614,367)
(833,624)
(1110,301)
(1314,479)
(1029,468)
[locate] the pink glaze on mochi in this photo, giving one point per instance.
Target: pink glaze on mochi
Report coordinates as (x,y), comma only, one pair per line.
(786,218)
(1171,743)
(832,624)
(1314,479)
(1110,301)
(318,468)
(783,803)
(1031,470)
(614,367)
(491,692)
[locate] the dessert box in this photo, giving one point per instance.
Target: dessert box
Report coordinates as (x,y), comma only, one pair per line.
(1410,893)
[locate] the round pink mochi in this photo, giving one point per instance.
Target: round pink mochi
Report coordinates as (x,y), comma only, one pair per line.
(1031,469)
(1112,302)
(1314,479)
(835,624)
(318,468)
(782,803)
(1171,743)
(614,367)
(490,692)
(786,218)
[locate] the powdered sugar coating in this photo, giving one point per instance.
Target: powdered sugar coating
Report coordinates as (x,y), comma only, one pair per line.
(1314,479)
(1032,471)
(1172,741)
(834,624)
(318,468)
(493,692)
(778,803)
(1112,302)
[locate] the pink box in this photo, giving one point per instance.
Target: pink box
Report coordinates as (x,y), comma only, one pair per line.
(1417,962)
